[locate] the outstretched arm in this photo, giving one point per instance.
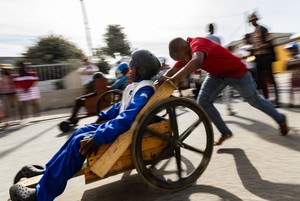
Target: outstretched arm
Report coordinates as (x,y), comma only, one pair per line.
(190,67)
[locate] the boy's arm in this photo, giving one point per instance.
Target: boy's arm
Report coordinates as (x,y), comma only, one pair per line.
(108,132)
(190,67)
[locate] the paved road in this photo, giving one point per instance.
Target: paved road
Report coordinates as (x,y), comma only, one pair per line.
(257,164)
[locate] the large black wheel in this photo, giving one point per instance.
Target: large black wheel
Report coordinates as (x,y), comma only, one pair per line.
(188,144)
(64,126)
(107,99)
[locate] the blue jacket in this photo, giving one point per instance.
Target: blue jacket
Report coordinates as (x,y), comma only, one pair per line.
(120,122)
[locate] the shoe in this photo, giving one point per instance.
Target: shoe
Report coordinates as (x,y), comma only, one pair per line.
(284,129)
(223,138)
(29,171)
(18,192)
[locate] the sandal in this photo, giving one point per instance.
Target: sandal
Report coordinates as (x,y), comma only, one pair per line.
(29,171)
(18,192)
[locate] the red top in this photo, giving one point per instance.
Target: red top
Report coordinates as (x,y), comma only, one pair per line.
(25,82)
(218,61)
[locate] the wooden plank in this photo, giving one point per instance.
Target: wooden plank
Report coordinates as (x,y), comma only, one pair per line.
(102,166)
(151,147)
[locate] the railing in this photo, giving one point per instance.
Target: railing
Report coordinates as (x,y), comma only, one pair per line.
(51,77)
(52,71)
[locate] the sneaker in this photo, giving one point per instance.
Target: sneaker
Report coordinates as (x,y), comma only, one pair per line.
(223,138)
(284,129)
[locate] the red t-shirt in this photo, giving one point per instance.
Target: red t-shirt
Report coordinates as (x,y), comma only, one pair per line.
(218,61)
(25,82)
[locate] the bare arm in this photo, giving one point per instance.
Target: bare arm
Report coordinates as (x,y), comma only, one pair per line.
(190,67)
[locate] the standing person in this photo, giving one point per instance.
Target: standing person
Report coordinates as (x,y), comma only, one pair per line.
(8,93)
(223,69)
(86,72)
(69,159)
(228,90)
(211,36)
(293,65)
(27,91)
(263,50)
(248,58)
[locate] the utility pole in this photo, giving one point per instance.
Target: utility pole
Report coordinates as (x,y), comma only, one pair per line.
(87,29)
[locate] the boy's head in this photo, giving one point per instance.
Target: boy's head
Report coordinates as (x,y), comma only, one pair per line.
(122,70)
(211,28)
(143,65)
(253,18)
(179,50)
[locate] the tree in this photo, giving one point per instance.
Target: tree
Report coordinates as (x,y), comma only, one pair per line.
(116,41)
(53,49)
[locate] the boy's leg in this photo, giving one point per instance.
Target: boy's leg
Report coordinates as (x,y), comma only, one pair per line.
(246,88)
(84,129)
(210,89)
(56,175)
(79,102)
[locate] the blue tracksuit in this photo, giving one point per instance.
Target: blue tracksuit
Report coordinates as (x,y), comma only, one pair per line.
(68,160)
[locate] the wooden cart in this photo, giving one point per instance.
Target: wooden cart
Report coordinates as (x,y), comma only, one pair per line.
(168,153)
(98,101)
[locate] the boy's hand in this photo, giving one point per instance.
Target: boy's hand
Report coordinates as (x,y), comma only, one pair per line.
(91,147)
(162,79)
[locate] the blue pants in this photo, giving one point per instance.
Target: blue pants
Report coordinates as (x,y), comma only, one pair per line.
(63,166)
(212,87)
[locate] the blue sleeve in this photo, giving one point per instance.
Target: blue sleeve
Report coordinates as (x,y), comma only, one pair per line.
(110,113)
(119,83)
(109,131)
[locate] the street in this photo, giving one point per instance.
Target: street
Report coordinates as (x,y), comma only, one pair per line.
(256,164)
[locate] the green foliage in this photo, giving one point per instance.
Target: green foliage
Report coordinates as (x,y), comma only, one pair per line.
(53,49)
(116,41)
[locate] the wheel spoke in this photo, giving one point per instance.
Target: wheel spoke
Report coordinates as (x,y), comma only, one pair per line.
(189,130)
(186,146)
(178,162)
(106,101)
(173,120)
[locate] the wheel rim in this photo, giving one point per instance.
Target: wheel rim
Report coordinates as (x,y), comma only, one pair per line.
(107,99)
(190,144)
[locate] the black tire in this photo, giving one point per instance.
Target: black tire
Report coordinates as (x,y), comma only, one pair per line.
(189,145)
(64,126)
(107,99)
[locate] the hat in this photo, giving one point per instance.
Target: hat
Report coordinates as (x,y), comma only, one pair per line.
(252,17)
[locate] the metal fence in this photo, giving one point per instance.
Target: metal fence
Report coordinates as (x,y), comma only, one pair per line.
(52,71)
(51,77)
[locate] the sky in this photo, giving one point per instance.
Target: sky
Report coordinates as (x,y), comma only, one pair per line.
(146,24)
